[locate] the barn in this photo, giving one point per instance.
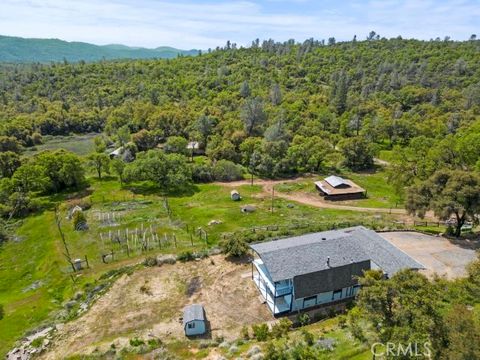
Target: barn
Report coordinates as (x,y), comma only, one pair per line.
(338,188)
(194,320)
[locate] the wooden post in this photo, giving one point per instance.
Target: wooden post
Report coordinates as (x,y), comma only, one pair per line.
(86,260)
(191,239)
(175,240)
(274,298)
(273,194)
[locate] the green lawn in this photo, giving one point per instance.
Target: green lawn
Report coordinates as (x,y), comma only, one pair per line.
(380,193)
(37,257)
(78,144)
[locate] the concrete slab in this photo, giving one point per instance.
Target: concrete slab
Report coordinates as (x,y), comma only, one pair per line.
(436,253)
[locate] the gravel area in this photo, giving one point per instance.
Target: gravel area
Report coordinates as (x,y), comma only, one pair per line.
(436,253)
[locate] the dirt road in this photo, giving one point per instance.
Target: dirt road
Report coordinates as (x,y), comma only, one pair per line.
(306,198)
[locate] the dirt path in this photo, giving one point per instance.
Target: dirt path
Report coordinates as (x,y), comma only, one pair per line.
(306,198)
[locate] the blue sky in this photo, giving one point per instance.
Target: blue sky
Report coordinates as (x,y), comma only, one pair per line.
(203,24)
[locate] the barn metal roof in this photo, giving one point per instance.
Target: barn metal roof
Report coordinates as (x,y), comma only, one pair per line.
(193,312)
(300,255)
(336,181)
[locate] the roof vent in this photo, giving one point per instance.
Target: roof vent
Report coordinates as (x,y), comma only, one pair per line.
(324,238)
(328,261)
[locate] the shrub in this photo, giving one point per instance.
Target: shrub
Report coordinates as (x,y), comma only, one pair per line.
(450,231)
(202,173)
(185,256)
(225,170)
(154,343)
(281,328)
(234,245)
(150,261)
(308,337)
(38,342)
(244,333)
(303,319)
(354,325)
(136,342)
(260,332)
(79,220)
(2,312)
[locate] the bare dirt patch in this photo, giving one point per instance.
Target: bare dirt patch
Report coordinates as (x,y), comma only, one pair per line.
(150,302)
(436,253)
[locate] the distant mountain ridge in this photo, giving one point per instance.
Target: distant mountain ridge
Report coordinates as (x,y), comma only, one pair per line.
(22,50)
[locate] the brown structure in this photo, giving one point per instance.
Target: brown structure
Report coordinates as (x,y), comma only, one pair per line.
(337,188)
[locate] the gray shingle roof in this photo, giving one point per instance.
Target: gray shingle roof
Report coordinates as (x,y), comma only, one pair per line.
(299,255)
(193,312)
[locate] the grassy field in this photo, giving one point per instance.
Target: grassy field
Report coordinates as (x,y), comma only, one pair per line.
(380,194)
(35,278)
(78,144)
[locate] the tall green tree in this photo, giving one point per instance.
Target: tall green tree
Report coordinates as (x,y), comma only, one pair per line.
(100,162)
(448,193)
(357,153)
(9,162)
(170,172)
(253,115)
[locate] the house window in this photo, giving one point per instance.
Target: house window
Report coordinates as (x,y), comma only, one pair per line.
(191,325)
(350,291)
(309,301)
(337,294)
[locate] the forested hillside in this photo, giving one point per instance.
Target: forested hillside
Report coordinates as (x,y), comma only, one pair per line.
(20,50)
(273,110)
(276,108)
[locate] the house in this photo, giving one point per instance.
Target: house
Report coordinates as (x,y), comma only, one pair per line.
(116,153)
(320,269)
(194,148)
(337,188)
(235,195)
(194,321)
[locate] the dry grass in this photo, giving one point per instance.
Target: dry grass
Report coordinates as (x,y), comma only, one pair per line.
(150,303)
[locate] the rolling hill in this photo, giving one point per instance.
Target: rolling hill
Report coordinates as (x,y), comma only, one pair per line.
(21,50)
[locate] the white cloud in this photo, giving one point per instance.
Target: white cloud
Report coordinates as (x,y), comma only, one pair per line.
(201,24)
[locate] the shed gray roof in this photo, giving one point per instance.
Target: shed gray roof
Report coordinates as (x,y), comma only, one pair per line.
(300,255)
(193,312)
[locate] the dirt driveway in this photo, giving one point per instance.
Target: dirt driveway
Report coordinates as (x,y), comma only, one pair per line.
(436,253)
(150,301)
(309,199)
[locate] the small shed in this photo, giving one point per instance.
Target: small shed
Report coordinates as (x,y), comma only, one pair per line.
(116,153)
(195,148)
(235,195)
(194,321)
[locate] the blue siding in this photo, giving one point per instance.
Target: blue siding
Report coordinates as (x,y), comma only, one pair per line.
(196,327)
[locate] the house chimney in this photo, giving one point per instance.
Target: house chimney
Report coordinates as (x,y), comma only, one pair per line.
(328,261)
